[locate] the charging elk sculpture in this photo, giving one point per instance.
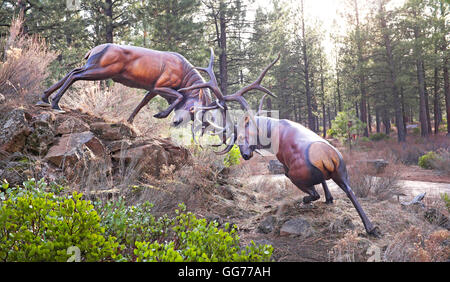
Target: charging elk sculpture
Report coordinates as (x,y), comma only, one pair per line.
(308,159)
(160,73)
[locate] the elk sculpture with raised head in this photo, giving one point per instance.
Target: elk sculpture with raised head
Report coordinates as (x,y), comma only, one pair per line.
(307,158)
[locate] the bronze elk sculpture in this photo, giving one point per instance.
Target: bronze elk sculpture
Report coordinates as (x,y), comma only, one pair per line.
(158,72)
(307,158)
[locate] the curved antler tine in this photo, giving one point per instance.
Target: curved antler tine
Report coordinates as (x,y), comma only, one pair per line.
(261,104)
(193,134)
(196,86)
(229,146)
(261,76)
(238,95)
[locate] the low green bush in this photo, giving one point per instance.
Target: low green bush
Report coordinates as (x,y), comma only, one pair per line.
(232,157)
(331,133)
(426,161)
(196,240)
(446,198)
(36,225)
(38,222)
(378,136)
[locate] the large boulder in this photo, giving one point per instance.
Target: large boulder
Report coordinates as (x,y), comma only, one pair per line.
(275,167)
(150,156)
(42,134)
(14,130)
(71,148)
(296,227)
(68,125)
(112,131)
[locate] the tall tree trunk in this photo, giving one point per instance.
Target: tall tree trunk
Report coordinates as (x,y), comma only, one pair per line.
(377,119)
(329,117)
(436,108)
(447,93)
(109,21)
(401,135)
(445,62)
(311,120)
(223,64)
(427,105)
(369,118)
(362,78)
(421,83)
(338,88)
(402,98)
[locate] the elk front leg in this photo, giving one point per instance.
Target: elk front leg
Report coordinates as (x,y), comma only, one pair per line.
(168,93)
(150,95)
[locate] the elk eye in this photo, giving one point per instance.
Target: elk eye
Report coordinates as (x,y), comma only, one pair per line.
(191,109)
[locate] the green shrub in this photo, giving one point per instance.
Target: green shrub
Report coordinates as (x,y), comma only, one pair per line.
(446,199)
(340,125)
(331,133)
(131,223)
(195,240)
(416,131)
(378,136)
(426,161)
(363,139)
(232,157)
(36,225)
(40,226)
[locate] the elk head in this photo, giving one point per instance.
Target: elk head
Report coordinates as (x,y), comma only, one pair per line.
(221,102)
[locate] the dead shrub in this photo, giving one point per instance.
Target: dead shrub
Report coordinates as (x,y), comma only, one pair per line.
(412,245)
(349,248)
(387,185)
(114,104)
(24,65)
(442,161)
(361,179)
(364,182)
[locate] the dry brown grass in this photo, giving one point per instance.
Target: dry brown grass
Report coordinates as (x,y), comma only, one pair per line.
(365,182)
(416,245)
(115,104)
(24,64)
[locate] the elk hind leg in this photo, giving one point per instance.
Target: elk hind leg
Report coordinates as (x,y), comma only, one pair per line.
(312,194)
(342,182)
(44,98)
(98,73)
(328,197)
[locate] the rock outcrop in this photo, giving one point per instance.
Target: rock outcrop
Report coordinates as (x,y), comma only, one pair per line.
(72,142)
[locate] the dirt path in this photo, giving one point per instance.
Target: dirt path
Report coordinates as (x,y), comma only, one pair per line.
(410,188)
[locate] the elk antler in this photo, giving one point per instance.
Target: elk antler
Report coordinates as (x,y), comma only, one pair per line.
(261,104)
(237,96)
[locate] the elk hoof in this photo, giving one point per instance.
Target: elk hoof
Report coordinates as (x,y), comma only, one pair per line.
(160,115)
(58,110)
(43,104)
(375,232)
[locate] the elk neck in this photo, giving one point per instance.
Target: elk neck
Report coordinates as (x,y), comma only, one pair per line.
(267,130)
(191,77)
